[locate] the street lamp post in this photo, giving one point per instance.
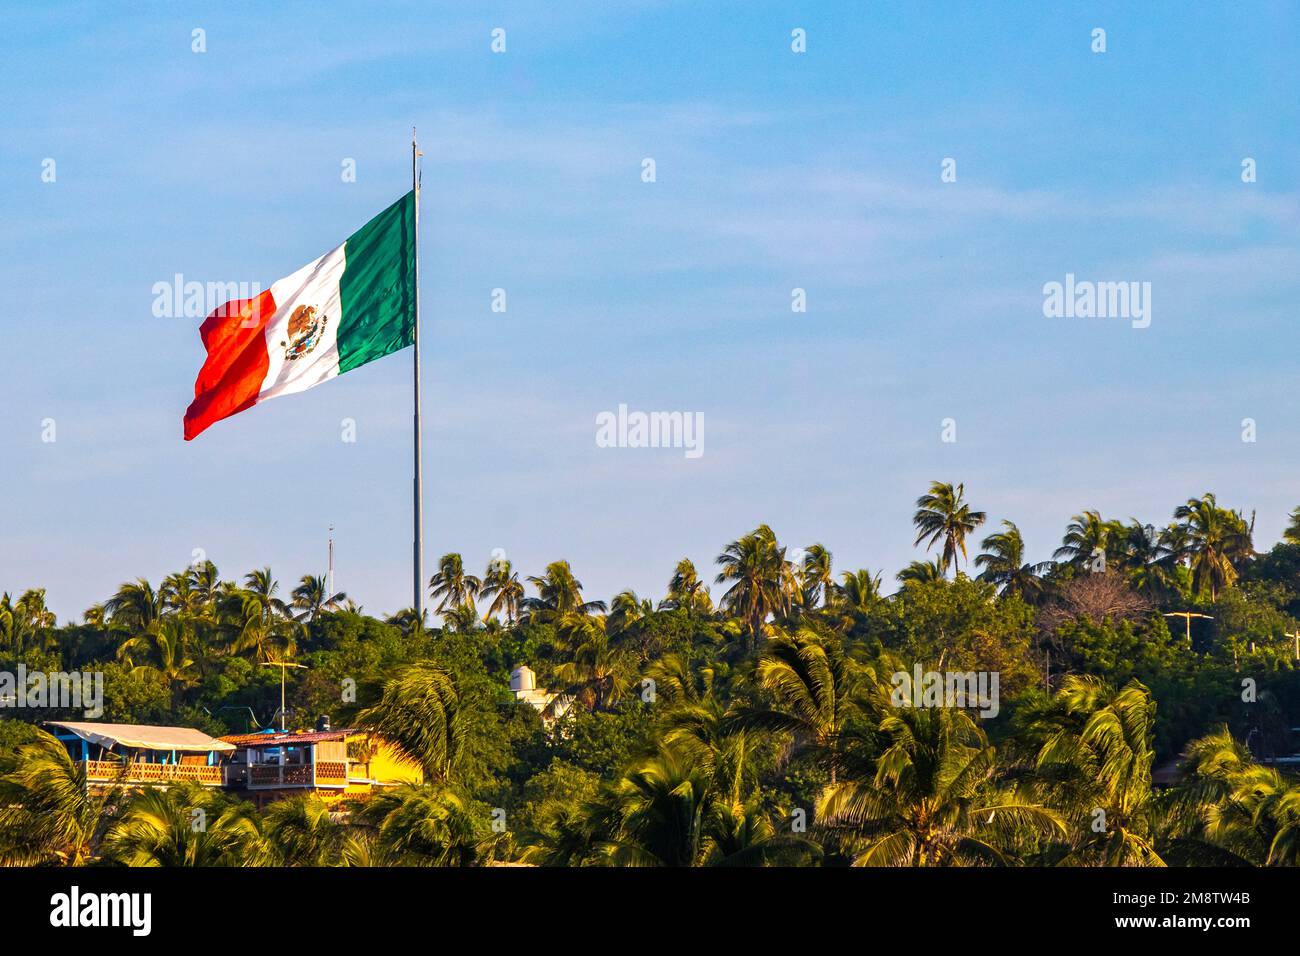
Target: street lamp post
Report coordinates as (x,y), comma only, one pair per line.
(283,665)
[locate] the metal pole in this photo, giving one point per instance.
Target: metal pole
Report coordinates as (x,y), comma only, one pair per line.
(418,557)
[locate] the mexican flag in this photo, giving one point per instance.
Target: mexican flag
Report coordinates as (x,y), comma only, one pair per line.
(351,306)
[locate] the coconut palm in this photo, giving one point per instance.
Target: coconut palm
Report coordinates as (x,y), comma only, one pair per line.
(595,672)
(812,683)
(136,606)
(206,582)
(1094,765)
(264,631)
(625,611)
(426,826)
(166,650)
(419,713)
(503,590)
(30,607)
(816,582)
(48,815)
(686,590)
(186,825)
(1146,559)
(1218,542)
(1292,532)
(260,587)
(300,831)
(1003,561)
(311,597)
(667,811)
(920,572)
(933,799)
(559,594)
(944,518)
(858,590)
(408,620)
(762,581)
(451,586)
(178,594)
(462,619)
(12,631)
(1087,537)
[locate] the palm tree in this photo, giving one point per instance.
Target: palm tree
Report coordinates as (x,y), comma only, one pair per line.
(595,672)
(1094,764)
(261,587)
(206,583)
(812,684)
(920,572)
(419,714)
(1218,541)
(1292,532)
(667,811)
(686,591)
(165,650)
(301,832)
(177,593)
(452,585)
(462,619)
(817,583)
(408,620)
(503,589)
(1087,536)
(1003,561)
(626,610)
(424,826)
(762,580)
(944,517)
(1146,559)
(858,590)
(932,800)
(1239,813)
(186,825)
(31,608)
(260,628)
(311,596)
(48,815)
(135,606)
(559,595)
(12,631)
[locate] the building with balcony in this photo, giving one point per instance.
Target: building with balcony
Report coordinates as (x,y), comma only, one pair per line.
(137,754)
(330,763)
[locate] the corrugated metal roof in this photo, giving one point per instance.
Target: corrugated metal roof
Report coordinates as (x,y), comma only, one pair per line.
(289,738)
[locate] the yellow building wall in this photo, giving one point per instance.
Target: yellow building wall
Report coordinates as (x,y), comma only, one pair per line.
(386,768)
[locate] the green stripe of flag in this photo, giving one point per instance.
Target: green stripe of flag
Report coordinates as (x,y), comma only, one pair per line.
(377,290)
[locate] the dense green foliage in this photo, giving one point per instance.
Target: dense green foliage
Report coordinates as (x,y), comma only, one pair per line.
(759,724)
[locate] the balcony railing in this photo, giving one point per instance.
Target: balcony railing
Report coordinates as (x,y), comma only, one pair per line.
(113,771)
(326,773)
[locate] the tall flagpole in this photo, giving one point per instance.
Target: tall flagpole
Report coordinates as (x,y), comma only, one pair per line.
(418,558)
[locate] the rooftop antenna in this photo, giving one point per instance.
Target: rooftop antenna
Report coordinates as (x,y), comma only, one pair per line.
(329,574)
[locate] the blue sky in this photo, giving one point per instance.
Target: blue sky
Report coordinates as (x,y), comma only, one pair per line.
(774,171)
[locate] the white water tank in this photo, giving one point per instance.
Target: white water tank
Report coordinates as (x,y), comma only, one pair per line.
(522,678)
